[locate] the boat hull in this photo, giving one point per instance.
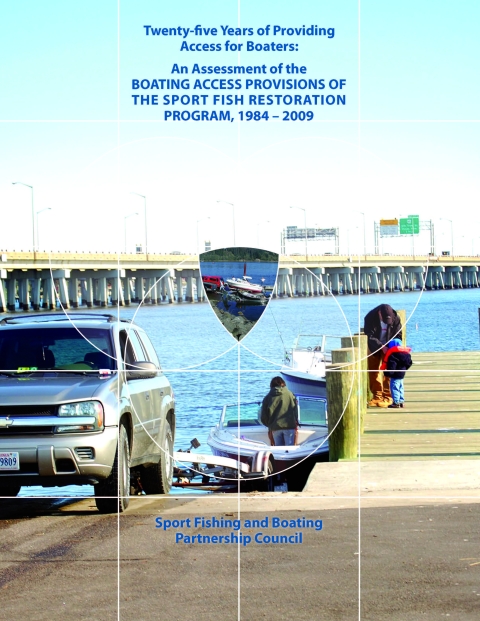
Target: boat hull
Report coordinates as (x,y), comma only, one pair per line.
(283,456)
(304,384)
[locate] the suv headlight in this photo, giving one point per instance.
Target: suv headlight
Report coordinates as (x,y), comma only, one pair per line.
(83,415)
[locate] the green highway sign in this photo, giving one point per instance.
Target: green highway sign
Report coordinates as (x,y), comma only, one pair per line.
(410,225)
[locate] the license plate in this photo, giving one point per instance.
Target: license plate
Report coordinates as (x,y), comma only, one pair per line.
(9,461)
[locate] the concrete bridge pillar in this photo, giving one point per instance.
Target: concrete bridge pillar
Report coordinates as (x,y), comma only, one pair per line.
(169,288)
(375,285)
(158,290)
(147,291)
(127,291)
(189,293)
(435,278)
(280,286)
(355,282)
(414,276)
(469,276)
(318,273)
(163,288)
(73,292)
(49,299)
(136,289)
(393,278)
(117,292)
(310,286)
(297,283)
(36,293)
(24,294)
(151,284)
(335,289)
(453,277)
(364,283)
(347,284)
(102,293)
(87,292)
(284,282)
(179,284)
(200,289)
(114,291)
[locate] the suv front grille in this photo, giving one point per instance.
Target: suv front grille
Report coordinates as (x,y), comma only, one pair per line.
(28,410)
(5,432)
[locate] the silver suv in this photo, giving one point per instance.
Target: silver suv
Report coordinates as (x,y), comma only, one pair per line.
(83,401)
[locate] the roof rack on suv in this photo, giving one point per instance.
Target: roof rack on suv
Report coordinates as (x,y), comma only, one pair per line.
(59,317)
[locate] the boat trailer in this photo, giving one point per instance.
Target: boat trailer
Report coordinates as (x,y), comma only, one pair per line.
(211,472)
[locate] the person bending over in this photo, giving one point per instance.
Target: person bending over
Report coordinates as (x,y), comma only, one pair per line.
(381,325)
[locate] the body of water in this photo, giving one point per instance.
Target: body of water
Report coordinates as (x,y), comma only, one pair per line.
(202,360)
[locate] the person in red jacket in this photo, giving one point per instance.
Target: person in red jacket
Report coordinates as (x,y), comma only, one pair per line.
(396,362)
(381,325)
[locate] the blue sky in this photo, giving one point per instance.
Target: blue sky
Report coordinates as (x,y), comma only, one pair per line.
(405,143)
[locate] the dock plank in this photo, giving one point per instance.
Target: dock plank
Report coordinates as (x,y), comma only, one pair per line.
(441,417)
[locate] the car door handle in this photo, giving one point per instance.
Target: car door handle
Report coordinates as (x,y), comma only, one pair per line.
(147,396)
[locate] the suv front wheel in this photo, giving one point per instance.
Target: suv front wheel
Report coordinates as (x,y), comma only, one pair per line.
(117,486)
(157,479)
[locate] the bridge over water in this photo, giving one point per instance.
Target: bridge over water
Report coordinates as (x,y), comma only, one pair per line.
(38,280)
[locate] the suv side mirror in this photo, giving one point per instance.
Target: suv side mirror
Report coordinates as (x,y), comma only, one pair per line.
(141,370)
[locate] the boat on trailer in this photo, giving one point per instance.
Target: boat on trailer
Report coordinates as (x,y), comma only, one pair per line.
(244,284)
(240,435)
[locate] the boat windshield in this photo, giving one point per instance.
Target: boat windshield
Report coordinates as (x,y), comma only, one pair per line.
(312,411)
(246,414)
(319,342)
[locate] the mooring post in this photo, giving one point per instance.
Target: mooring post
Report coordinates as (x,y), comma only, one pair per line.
(342,397)
(403,318)
(359,342)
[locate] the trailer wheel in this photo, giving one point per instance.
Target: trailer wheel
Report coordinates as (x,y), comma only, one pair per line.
(269,481)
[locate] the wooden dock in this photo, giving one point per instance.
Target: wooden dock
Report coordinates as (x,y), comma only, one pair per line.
(441,417)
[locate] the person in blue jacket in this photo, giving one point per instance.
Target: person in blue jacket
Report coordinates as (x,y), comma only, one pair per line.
(395,363)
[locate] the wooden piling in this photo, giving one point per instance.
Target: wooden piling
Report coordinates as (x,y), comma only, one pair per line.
(360,343)
(342,396)
(403,318)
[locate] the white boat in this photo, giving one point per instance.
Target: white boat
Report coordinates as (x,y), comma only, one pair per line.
(304,370)
(240,435)
(244,284)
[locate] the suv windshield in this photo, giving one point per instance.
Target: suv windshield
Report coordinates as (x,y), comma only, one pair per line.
(33,349)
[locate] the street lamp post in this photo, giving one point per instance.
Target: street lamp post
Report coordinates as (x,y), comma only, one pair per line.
(451,233)
(233,217)
(201,220)
(38,228)
(144,218)
(33,212)
(135,213)
(305,226)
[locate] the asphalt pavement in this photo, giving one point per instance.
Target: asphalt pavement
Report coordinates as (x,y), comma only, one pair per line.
(397,552)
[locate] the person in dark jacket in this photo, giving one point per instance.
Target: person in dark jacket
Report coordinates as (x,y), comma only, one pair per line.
(381,325)
(280,413)
(396,362)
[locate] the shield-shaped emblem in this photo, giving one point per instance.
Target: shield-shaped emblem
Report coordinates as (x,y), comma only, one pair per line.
(238,282)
